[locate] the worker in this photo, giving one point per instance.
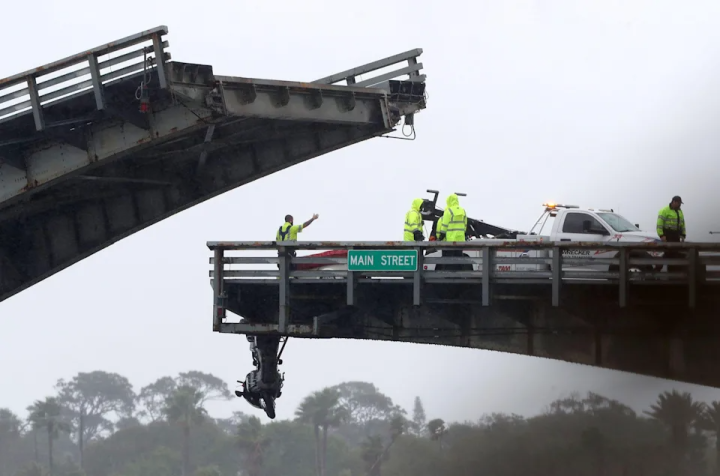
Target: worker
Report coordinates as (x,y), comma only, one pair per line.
(414,222)
(671,227)
(453,224)
(289,232)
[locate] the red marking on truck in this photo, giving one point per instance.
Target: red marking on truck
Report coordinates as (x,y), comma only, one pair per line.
(326,254)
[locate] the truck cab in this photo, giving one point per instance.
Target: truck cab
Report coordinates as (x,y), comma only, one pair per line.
(600,226)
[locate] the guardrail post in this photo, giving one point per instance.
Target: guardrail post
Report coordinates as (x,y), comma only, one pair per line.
(350,284)
(692,270)
(623,278)
(35,102)
(159,60)
(417,278)
(556,275)
(96,82)
(487,255)
(218,301)
(284,294)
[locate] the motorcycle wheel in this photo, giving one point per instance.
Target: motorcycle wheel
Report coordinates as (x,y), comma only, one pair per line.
(269,406)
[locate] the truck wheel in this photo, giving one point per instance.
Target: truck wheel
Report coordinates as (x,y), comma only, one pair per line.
(644,268)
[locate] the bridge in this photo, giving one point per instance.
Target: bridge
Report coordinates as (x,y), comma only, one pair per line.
(104,143)
(655,323)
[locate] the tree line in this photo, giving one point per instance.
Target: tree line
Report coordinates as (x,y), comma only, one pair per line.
(97,425)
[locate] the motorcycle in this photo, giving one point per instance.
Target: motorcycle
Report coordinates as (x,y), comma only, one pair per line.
(264,384)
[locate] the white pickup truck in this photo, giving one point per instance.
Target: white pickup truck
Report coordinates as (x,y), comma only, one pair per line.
(569,224)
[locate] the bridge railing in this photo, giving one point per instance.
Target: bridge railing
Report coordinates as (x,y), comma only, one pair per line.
(387,71)
(350,76)
(554,266)
(33,89)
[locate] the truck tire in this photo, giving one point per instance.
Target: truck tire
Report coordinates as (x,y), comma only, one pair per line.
(645,268)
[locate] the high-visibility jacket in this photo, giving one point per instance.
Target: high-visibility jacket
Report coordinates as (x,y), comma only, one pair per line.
(454,220)
(670,220)
(413,220)
(288,232)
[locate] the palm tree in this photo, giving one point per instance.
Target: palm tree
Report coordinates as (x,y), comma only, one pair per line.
(46,414)
(184,407)
(322,410)
(253,442)
(679,412)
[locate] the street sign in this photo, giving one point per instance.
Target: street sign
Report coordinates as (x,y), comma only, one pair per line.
(382,260)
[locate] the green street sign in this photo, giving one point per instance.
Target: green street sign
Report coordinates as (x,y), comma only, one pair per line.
(382,260)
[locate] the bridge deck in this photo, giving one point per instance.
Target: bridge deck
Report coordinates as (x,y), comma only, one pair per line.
(104,143)
(653,323)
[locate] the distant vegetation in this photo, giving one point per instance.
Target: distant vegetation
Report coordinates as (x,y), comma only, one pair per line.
(96,425)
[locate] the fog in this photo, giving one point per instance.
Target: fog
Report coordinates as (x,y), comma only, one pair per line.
(599,104)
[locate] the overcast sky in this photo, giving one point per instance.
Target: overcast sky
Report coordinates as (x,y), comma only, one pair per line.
(609,104)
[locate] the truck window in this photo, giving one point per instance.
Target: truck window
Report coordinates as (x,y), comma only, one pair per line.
(574,223)
(617,222)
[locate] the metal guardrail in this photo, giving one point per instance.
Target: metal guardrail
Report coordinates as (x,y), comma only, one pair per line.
(31,98)
(412,70)
(698,256)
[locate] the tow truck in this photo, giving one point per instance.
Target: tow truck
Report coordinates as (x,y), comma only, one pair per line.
(569,223)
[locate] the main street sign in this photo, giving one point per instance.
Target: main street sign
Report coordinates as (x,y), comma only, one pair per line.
(382,260)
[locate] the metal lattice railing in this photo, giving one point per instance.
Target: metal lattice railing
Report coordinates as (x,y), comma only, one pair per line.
(30,91)
(552,266)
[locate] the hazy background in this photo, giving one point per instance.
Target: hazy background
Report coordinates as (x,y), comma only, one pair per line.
(611,104)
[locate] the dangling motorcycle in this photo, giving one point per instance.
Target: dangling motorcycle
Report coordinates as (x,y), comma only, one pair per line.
(264,385)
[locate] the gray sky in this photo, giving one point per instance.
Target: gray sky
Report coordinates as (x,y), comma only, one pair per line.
(610,104)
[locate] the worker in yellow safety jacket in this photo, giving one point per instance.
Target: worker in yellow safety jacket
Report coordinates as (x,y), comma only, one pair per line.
(453,224)
(414,222)
(671,222)
(671,228)
(289,232)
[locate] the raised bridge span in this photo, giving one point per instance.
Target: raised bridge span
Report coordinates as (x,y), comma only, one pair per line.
(102,144)
(653,322)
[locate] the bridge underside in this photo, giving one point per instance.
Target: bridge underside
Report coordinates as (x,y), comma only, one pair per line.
(655,335)
(91,178)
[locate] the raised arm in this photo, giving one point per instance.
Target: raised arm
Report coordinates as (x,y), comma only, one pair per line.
(307,223)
